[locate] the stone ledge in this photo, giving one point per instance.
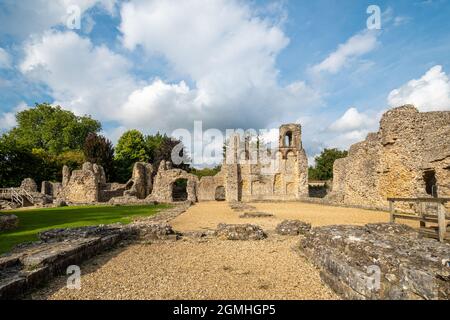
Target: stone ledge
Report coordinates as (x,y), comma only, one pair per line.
(411,267)
(240,232)
(32,264)
(292,228)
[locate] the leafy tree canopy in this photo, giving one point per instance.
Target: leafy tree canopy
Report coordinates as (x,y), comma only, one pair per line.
(323,169)
(52,129)
(99,150)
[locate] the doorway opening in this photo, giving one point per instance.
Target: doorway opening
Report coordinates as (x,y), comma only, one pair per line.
(429,177)
(179,190)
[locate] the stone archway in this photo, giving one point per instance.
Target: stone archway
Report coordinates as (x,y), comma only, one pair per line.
(165,181)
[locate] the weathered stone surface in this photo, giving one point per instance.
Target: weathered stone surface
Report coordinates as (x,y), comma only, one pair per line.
(51,189)
(241,206)
(410,267)
(8,222)
(82,187)
(141,183)
(293,227)
(7,205)
(165,180)
(56,235)
(124,200)
(239,232)
(60,203)
(395,161)
(108,191)
(99,173)
(65,175)
(157,231)
(211,188)
(29,185)
(32,264)
(256,215)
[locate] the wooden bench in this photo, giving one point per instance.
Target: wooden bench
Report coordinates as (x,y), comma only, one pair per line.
(440,232)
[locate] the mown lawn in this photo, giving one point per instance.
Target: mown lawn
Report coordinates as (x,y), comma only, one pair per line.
(36,220)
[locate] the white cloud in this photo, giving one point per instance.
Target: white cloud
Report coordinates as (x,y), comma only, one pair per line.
(5,59)
(25,17)
(82,77)
(225,53)
(353,126)
(351,120)
(228,54)
(8,119)
(431,92)
(345,140)
(358,45)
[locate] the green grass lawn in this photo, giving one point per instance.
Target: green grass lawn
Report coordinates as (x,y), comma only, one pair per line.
(36,220)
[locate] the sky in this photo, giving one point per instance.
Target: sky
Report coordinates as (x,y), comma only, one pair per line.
(159,65)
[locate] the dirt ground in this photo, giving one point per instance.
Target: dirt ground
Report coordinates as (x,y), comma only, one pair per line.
(207,215)
(212,268)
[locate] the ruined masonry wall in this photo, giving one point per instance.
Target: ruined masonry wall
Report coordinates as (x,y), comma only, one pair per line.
(393,161)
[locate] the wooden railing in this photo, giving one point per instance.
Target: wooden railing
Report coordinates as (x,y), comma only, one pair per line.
(17,195)
(423,217)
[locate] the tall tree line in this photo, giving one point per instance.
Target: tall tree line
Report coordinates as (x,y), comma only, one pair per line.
(48,137)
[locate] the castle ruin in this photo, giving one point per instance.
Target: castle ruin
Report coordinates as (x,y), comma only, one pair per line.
(409,157)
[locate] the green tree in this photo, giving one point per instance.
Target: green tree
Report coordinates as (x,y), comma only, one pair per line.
(323,170)
(130,148)
(97,149)
(17,162)
(206,172)
(160,147)
(52,129)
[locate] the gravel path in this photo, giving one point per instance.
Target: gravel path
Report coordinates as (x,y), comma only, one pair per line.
(190,269)
(207,215)
(211,268)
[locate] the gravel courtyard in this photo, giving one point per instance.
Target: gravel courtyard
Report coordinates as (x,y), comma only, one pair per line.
(211,268)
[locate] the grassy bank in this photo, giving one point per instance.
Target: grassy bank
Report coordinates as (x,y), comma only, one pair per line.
(33,221)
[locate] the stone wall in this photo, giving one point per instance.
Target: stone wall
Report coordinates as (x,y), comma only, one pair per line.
(51,189)
(141,184)
(208,187)
(379,261)
(396,161)
(82,186)
(164,183)
(250,175)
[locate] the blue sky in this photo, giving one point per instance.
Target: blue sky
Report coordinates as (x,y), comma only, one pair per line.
(160,65)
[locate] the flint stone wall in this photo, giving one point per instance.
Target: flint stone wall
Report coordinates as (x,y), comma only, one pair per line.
(208,187)
(349,258)
(82,186)
(164,180)
(239,232)
(393,161)
(29,185)
(51,189)
(141,182)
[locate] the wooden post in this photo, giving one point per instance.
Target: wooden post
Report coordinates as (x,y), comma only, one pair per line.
(422,214)
(391,211)
(441,222)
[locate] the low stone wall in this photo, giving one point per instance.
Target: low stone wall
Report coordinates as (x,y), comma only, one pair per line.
(37,264)
(31,265)
(379,261)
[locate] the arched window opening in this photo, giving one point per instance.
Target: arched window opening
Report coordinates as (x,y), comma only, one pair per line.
(288,139)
